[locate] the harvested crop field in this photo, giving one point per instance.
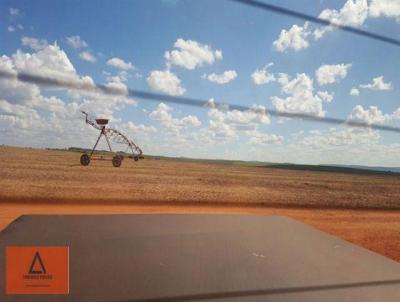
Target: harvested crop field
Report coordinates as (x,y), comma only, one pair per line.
(364,209)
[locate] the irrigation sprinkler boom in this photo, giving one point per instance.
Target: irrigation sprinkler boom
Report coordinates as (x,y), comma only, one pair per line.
(111,135)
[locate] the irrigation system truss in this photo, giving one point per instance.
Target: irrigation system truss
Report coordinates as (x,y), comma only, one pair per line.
(110,135)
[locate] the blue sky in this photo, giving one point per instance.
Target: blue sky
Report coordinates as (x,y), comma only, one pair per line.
(217,50)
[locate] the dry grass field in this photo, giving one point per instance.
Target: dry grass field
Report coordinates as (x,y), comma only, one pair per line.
(364,209)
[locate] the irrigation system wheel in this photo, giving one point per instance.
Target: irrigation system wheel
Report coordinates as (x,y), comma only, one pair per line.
(85,159)
(116,161)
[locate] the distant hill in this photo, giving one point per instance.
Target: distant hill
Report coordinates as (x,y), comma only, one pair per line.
(373,168)
(333,168)
(354,169)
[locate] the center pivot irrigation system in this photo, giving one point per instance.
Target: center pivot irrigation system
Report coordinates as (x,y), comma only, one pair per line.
(115,136)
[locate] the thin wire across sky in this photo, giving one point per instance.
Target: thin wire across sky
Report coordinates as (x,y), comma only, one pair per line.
(97,88)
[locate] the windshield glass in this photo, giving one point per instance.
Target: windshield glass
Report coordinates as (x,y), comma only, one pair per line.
(287,108)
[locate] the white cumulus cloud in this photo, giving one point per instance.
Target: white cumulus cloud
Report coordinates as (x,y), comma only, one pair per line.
(395,114)
(329,74)
(28,117)
(49,60)
(163,114)
(87,56)
(301,97)
(165,81)
(190,54)
(385,8)
(353,13)
(258,138)
(120,64)
(341,137)
(130,126)
(294,38)
(379,84)
(371,115)
(223,78)
(76,42)
(262,76)
(35,44)
(225,123)
(354,92)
